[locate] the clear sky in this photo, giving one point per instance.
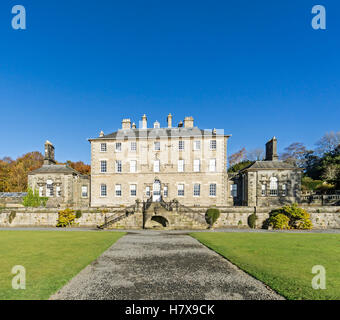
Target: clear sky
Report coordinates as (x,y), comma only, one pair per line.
(254,68)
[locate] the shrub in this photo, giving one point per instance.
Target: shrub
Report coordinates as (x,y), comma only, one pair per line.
(297,218)
(78,214)
(66,218)
(279,221)
(12,216)
(252,221)
(308,184)
(32,199)
(211,216)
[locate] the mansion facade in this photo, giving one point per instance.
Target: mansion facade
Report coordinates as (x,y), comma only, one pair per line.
(154,163)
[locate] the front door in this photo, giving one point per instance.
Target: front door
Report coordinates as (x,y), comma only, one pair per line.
(156,192)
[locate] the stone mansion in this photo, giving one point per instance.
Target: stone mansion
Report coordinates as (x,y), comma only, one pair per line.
(154,163)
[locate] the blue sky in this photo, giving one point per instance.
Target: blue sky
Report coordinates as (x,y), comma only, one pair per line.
(253,68)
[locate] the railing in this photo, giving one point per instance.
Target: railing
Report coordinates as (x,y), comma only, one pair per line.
(121,214)
(328,199)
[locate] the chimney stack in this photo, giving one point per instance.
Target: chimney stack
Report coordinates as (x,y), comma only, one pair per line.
(271,150)
(144,122)
(126,124)
(169,120)
(188,122)
(49,153)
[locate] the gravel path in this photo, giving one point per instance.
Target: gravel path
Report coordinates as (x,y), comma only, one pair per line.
(162,265)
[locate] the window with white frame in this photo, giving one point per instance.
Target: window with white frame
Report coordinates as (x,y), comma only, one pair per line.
(147,191)
(156,166)
(273,186)
(103,166)
(118,165)
(41,191)
(212,190)
(181,145)
(49,188)
(157,146)
(197,190)
(84,192)
(197,165)
(233,190)
(165,192)
(118,190)
(103,147)
(133,146)
(180,190)
(197,145)
(212,144)
(58,191)
(133,166)
(180,166)
(133,190)
(284,190)
(103,190)
(212,165)
(263,190)
(118,147)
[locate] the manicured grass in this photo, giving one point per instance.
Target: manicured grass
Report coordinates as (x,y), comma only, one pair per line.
(51,258)
(283,261)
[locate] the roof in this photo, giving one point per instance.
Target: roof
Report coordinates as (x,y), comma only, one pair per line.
(12,194)
(276,164)
(160,132)
(55,168)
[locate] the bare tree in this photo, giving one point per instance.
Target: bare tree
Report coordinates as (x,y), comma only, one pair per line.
(328,142)
(295,154)
(255,154)
(237,157)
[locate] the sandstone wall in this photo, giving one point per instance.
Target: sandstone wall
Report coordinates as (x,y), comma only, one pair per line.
(322,217)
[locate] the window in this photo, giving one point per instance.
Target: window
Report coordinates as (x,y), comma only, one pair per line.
(133,190)
(41,191)
(118,165)
(233,190)
(133,166)
(165,192)
(58,191)
(284,190)
(180,145)
(84,191)
(212,144)
(156,166)
(180,165)
(197,165)
(103,147)
(103,166)
(180,190)
(133,146)
(197,190)
(212,165)
(103,190)
(263,190)
(157,146)
(212,190)
(197,145)
(147,191)
(118,190)
(49,188)
(273,186)
(118,147)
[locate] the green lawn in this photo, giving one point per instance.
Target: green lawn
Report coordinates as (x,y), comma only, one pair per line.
(283,261)
(51,258)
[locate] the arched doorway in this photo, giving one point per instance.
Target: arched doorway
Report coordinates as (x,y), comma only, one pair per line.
(156,191)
